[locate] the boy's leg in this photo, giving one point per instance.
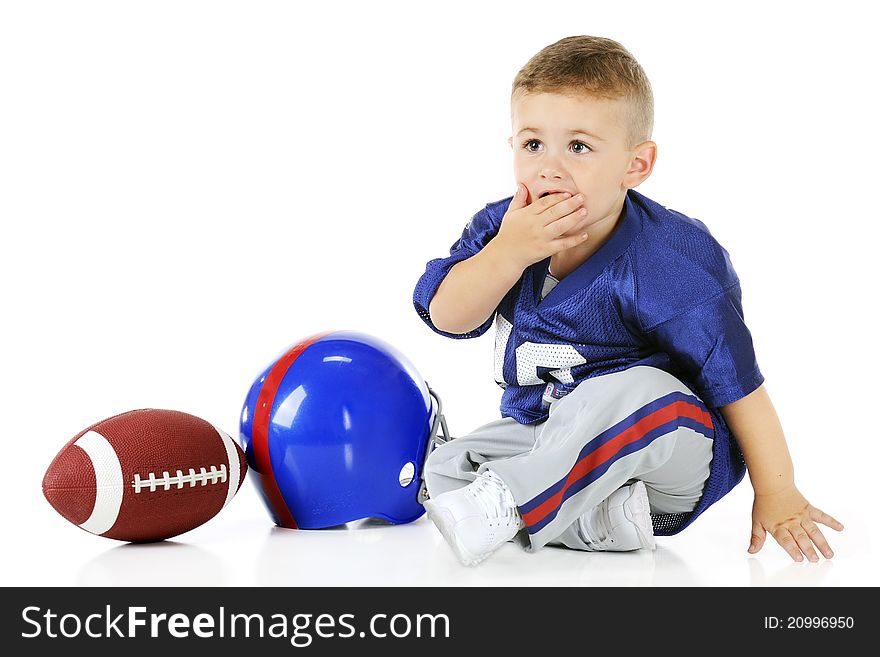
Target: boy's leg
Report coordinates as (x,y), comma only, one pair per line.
(675,487)
(474,512)
(454,464)
(638,424)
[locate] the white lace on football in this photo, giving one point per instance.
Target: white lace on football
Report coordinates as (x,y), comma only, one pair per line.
(166,481)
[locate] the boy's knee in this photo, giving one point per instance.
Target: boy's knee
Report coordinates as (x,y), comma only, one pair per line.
(434,459)
(438,461)
(443,471)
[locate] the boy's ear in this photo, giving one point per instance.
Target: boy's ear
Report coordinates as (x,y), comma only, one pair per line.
(510,141)
(644,155)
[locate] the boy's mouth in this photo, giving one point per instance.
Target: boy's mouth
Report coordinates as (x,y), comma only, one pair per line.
(553,191)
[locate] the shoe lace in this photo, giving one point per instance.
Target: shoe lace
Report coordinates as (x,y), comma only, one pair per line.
(495,498)
(595,524)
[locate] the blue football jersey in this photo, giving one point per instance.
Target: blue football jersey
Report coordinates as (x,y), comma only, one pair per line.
(660,292)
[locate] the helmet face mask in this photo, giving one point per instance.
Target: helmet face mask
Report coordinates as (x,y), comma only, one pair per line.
(337,429)
(439,435)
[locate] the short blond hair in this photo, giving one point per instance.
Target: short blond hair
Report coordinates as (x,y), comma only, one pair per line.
(594,66)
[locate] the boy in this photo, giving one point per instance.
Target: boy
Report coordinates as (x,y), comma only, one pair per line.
(626,365)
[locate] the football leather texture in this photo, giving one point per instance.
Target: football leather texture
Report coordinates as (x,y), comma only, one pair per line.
(145,475)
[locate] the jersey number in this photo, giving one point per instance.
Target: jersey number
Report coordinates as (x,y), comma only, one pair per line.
(529,356)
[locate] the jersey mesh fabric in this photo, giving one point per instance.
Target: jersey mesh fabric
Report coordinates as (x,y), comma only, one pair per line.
(660,292)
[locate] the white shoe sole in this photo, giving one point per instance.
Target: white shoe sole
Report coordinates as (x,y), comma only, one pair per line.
(445,522)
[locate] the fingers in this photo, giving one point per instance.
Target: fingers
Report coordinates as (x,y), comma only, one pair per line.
(798,534)
(758,538)
(805,545)
(574,222)
(801,538)
(784,537)
(818,515)
(818,538)
(546,202)
(563,243)
(556,206)
(520,198)
(798,540)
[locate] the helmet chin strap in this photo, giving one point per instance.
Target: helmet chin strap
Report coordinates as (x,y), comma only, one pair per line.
(439,435)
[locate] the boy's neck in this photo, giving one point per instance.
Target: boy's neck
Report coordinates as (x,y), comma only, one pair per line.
(565,262)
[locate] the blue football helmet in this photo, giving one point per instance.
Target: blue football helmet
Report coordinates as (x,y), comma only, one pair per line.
(338,429)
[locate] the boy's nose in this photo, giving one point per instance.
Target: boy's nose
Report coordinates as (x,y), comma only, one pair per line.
(551,168)
(549,173)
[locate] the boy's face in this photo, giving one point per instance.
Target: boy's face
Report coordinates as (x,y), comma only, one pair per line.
(577,145)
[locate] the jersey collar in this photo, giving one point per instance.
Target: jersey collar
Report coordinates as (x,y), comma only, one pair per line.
(629,226)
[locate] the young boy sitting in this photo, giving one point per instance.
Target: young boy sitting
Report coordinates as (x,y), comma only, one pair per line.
(632,396)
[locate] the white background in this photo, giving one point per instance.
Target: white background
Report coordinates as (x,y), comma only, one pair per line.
(186,188)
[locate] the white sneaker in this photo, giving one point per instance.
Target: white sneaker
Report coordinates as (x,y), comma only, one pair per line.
(476,520)
(620,523)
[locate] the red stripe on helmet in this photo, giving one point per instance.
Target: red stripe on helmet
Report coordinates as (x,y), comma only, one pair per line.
(262,411)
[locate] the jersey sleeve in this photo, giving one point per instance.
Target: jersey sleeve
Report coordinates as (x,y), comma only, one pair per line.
(689,305)
(482,227)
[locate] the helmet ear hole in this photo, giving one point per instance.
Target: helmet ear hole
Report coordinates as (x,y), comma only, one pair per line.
(407,472)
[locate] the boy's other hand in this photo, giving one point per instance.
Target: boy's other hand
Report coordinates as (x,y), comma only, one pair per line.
(791,520)
(531,232)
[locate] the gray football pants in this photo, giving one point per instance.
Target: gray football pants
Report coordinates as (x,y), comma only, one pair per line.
(638,424)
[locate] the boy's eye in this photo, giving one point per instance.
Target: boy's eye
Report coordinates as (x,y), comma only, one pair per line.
(577,147)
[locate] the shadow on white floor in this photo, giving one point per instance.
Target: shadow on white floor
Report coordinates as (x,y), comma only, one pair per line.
(373,553)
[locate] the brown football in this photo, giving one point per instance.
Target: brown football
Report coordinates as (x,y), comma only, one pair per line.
(145,475)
